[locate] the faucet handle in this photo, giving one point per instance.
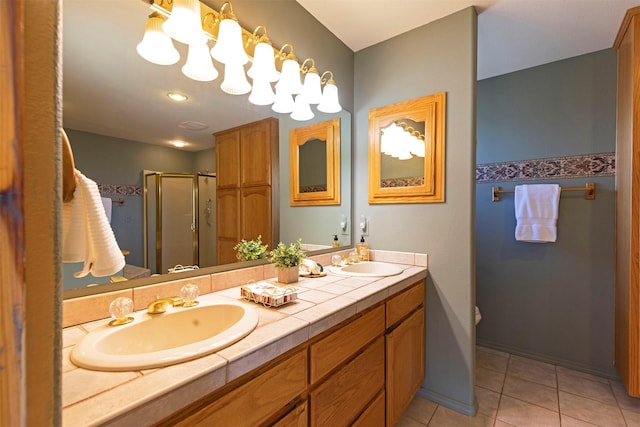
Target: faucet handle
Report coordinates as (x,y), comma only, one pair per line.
(189,293)
(120,310)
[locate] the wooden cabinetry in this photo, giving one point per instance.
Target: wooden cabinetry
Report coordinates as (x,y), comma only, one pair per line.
(247,186)
(627,273)
(404,350)
(363,372)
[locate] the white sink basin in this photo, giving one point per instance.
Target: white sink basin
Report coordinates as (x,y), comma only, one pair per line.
(152,341)
(367,269)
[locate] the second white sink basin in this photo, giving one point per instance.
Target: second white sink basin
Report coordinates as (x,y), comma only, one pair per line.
(370,268)
(153,341)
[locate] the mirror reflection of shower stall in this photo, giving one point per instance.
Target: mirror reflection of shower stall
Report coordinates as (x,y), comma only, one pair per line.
(179,213)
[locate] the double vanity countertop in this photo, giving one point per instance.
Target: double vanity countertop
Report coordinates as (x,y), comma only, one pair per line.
(129,397)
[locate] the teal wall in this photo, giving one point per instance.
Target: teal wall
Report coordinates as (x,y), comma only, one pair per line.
(549,301)
(438,57)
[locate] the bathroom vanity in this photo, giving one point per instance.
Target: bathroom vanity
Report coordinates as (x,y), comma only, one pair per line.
(349,351)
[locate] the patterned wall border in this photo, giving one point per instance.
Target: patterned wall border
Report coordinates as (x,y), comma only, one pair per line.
(107,190)
(586,165)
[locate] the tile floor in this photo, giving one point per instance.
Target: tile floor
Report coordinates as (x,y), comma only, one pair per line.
(516,391)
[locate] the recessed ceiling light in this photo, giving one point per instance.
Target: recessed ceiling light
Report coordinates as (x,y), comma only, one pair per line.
(178,144)
(178,97)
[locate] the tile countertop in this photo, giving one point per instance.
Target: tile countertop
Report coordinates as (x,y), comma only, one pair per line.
(126,398)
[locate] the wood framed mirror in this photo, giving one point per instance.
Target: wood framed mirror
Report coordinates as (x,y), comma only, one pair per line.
(314,154)
(406,151)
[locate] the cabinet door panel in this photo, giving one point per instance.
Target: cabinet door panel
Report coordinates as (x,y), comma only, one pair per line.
(227,224)
(296,418)
(257,400)
(329,352)
(402,304)
(405,364)
(256,154)
(373,416)
(339,400)
(256,214)
(228,159)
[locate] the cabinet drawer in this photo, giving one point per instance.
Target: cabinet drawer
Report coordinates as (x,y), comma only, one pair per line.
(339,400)
(373,416)
(296,418)
(403,303)
(329,352)
(255,401)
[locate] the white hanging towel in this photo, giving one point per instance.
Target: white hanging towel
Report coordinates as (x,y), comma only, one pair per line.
(536,208)
(86,234)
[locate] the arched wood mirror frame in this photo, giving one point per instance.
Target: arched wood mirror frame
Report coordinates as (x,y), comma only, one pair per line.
(327,132)
(429,188)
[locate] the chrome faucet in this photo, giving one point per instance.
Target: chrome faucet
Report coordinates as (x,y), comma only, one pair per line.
(160,305)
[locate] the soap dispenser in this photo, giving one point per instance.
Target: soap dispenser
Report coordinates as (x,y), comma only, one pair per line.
(336,242)
(363,249)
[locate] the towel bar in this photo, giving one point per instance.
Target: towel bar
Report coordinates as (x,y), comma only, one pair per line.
(589,189)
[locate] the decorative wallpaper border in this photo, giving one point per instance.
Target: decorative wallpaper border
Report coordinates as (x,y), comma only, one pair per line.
(586,165)
(119,190)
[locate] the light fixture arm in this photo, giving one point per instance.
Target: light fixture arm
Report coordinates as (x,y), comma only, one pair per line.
(306,69)
(330,80)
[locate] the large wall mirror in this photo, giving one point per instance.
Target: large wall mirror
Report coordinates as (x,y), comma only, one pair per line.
(406,151)
(119,120)
(314,152)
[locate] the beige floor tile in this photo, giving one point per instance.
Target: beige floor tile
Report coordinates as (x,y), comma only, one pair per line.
(493,361)
(523,414)
(632,418)
(420,410)
(567,421)
(562,370)
(405,421)
(502,424)
(625,401)
(531,392)
(487,378)
(585,387)
(487,402)
(447,418)
(589,410)
(532,370)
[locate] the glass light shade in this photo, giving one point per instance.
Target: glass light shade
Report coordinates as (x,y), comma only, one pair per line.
(156,46)
(262,93)
(290,77)
(264,64)
(330,102)
(184,24)
(235,81)
(199,65)
(228,49)
(284,101)
(311,88)
(301,109)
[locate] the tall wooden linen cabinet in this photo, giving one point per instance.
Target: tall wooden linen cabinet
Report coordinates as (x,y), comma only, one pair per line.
(627,270)
(247,186)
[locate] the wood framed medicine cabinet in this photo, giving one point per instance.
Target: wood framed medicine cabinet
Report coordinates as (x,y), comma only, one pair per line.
(314,171)
(406,151)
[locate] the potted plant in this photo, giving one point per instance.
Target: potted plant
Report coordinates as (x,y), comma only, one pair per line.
(250,250)
(287,260)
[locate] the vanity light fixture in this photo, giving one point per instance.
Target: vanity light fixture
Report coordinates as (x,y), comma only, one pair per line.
(184,23)
(178,97)
(311,88)
(199,65)
(194,23)
(156,46)
(330,102)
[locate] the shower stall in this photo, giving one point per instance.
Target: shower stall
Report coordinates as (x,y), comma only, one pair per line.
(179,216)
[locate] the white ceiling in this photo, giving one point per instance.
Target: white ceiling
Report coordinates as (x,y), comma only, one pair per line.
(104,77)
(512,34)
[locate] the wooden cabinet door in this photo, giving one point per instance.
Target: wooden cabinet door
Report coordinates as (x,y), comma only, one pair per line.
(228,159)
(256,214)
(373,416)
(405,364)
(254,402)
(227,224)
(257,141)
(339,400)
(298,417)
